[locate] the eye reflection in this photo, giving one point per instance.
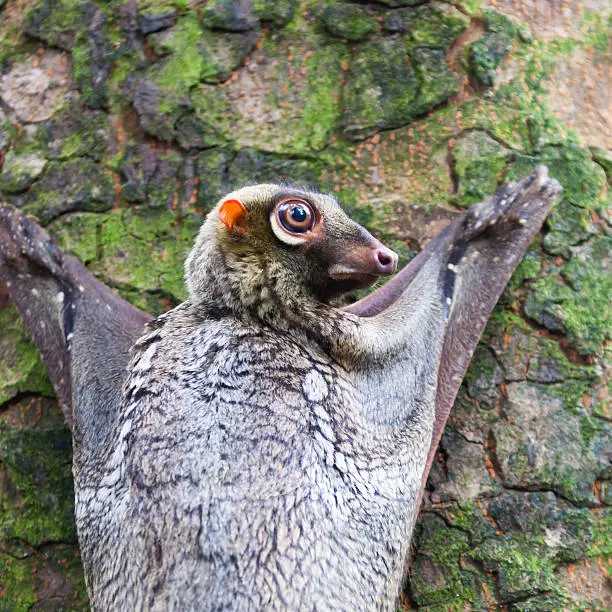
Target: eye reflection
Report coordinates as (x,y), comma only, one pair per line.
(296,216)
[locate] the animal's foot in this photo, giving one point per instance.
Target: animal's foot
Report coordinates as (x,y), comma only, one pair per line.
(514,204)
(24,243)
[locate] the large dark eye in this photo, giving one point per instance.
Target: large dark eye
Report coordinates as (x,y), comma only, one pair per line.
(296,216)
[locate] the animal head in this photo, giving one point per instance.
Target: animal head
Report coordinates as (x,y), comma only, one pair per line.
(286,244)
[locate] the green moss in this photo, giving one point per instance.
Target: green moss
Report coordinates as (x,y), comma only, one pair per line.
(550,357)
(77,234)
(349,21)
(16,583)
(604,159)
(487,53)
(73,132)
(572,393)
(278,12)
(129,61)
(470,517)
(12,46)
(568,226)
(37,499)
(583,315)
(529,268)
(563,456)
(437,82)
(58,22)
(601,545)
(483,378)
(78,184)
(535,516)
(381,88)
(212,108)
(20,171)
(516,113)
(184,69)
(394,79)
(136,250)
(21,368)
(295,111)
(521,564)
(432,25)
(94,90)
(437,575)
(582,179)
(39,580)
(479,162)
(595,30)
(321,110)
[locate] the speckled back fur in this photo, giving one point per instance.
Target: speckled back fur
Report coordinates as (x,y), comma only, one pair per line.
(267,489)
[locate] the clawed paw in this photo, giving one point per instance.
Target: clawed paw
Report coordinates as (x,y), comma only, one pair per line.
(513,204)
(24,242)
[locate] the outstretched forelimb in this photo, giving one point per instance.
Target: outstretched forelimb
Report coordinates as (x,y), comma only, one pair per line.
(82,329)
(477,253)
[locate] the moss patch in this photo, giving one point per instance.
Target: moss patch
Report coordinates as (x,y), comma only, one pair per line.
(580,309)
(135,251)
(487,53)
(437,575)
(479,163)
(348,21)
(78,184)
(36,500)
(523,569)
(21,368)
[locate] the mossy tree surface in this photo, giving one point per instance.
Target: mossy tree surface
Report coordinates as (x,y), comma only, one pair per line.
(122,122)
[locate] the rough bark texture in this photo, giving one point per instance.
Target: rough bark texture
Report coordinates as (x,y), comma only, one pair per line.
(121,122)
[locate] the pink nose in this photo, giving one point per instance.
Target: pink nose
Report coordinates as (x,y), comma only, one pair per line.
(385,261)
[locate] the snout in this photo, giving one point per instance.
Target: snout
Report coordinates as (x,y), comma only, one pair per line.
(362,264)
(384,260)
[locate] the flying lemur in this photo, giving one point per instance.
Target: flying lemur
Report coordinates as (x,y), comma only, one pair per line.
(260,447)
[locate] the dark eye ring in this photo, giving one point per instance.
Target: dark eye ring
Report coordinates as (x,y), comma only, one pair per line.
(295,216)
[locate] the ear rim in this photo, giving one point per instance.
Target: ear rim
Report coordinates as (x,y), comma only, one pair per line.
(233,214)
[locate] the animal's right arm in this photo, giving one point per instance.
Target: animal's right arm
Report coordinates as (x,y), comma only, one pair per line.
(82,329)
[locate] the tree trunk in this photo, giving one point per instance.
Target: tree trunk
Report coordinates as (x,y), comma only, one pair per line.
(122,122)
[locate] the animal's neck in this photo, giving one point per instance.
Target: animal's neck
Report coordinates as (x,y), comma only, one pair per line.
(248,286)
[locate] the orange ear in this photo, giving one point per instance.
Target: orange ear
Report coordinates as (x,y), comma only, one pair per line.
(233,215)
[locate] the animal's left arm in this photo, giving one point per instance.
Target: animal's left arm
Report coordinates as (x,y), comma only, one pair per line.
(462,273)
